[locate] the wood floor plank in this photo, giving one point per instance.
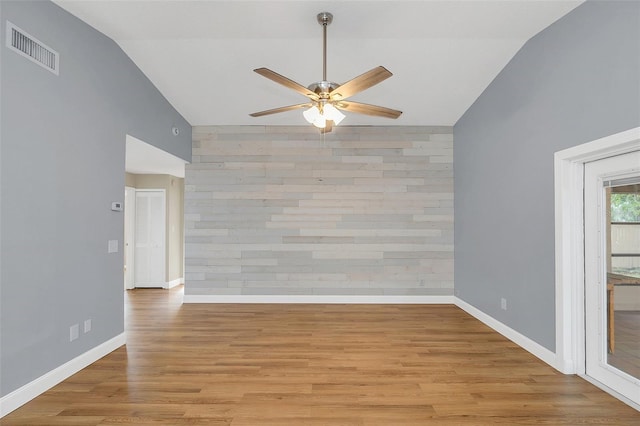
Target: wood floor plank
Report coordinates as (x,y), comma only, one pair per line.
(350,365)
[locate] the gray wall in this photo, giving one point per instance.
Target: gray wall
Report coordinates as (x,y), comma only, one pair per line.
(576,81)
(286,211)
(62,152)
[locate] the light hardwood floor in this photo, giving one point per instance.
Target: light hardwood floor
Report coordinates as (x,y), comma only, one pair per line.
(202,364)
(627,353)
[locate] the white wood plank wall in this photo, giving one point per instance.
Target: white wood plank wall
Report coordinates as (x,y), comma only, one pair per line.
(286,211)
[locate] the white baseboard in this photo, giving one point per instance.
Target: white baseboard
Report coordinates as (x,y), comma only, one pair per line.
(327,299)
(26,393)
(174,283)
(527,344)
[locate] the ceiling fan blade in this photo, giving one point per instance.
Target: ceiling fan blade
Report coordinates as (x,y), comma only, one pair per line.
(360,83)
(328,127)
(280,79)
(281,109)
(360,108)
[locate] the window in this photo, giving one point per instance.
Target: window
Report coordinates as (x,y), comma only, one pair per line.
(625,230)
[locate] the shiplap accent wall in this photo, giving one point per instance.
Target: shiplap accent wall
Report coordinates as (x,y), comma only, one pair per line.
(287,211)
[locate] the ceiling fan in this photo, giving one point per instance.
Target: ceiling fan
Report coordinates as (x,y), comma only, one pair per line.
(327,99)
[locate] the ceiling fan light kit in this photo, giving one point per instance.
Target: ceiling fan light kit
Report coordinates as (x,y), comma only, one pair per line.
(318,115)
(326,98)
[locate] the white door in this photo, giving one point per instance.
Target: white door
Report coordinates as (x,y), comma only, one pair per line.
(608,360)
(150,229)
(129,227)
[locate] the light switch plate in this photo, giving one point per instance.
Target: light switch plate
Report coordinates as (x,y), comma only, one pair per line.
(112,246)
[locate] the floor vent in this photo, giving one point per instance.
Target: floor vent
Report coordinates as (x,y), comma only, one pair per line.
(31,48)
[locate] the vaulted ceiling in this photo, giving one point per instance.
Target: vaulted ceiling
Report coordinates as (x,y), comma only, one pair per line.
(200,54)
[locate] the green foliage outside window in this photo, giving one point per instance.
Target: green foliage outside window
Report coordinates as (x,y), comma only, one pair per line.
(625,207)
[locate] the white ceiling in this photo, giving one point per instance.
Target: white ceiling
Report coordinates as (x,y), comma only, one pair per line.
(200,54)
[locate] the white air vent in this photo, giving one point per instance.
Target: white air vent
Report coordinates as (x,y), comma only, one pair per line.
(31,48)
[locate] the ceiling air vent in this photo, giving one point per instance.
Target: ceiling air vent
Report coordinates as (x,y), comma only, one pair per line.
(31,48)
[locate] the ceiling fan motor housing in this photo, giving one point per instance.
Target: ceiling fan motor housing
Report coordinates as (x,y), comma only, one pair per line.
(323,88)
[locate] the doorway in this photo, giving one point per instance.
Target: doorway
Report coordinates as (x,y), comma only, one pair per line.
(612,270)
(149,168)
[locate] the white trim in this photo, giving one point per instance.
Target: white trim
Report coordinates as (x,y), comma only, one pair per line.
(129,236)
(26,393)
(527,344)
(174,283)
(610,391)
(608,146)
(569,244)
(569,262)
(329,299)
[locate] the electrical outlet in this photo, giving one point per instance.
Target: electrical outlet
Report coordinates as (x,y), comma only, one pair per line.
(74,332)
(87,325)
(503,304)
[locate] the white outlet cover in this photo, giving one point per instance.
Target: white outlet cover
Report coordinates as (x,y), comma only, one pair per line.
(74,332)
(87,326)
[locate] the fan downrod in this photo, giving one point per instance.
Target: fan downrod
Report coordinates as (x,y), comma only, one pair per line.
(324,19)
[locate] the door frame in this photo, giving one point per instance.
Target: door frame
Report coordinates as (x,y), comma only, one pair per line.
(596,215)
(130,217)
(569,244)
